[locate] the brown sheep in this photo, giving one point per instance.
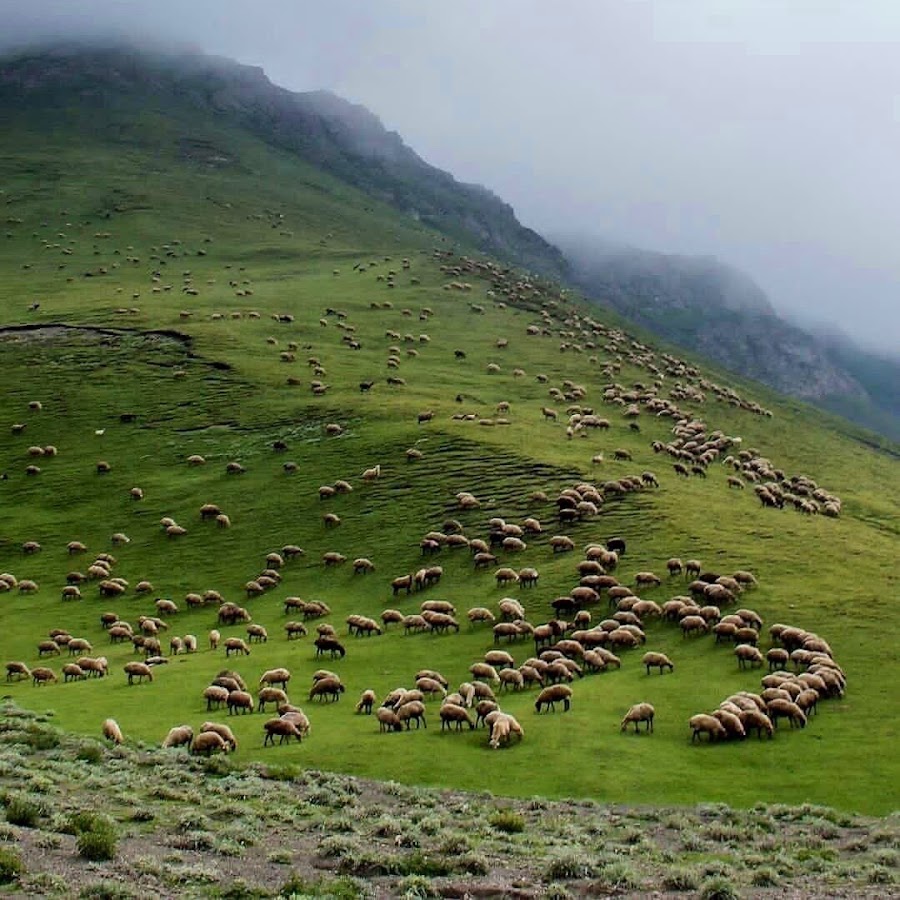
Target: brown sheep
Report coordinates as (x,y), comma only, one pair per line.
(223,731)
(748,654)
(208,742)
(704,724)
(112,732)
(388,719)
(657,660)
(451,714)
(180,736)
(366,702)
(239,700)
(550,696)
(329,688)
(284,728)
(236,645)
(139,671)
(640,712)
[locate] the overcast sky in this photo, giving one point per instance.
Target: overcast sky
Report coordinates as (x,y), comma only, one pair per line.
(764,132)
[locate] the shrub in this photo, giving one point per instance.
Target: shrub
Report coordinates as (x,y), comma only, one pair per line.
(618,876)
(102,890)
(416,886)
(681,880)
(22,811)
(341,888)
(90,753)
(97,845)
(472,864)
(10,866)
(557,892)
(764,877)
(568,867)
(718,889)
(507,821)
(880,875)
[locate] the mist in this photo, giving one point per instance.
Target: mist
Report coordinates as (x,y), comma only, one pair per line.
(764,133)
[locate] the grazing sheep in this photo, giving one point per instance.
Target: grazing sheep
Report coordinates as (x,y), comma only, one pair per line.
(42,675)
(704,724)
(388,719)
(754,718)
(732,723)
(236,645)
(480,614)
(657,660)
(112,732)
(693,624)
(451,715)
(640,712)
(550,696)
(239,700)
(208,742)
(362,566)
(748,654)
(214,638)
(329,688)
(366,702)
(785,709)
(223,731)
(17,671)
(502,727)
(180,736)
(284,728)
(137,670)
(215,695)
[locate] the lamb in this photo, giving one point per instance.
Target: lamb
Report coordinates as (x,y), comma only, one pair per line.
(112,732)
(451,714)
(180,736)
(704,724)
(223,731)
(657,660)
(640,712)
(550,696)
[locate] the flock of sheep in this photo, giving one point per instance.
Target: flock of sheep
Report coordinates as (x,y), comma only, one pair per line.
(569,645)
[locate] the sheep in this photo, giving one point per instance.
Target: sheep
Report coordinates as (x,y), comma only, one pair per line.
(431,686)
(693,624)
(239,700)
(284,728)
(362,566)
(223,731)
(333,558)
(31,547)
(180,736)
(137,670)
(657,660)
(257,633)
(754,718)
(552,695)
(42,675)
(208,742)
(329,688)
(112,732)
(215,695)
(412,710)
(214,637)
(731,722)
(640,712)
(780,708)
(502,727)
(480,614)
(561,543)
(451,715)
(704,724)
(748,654)
(366,702)
(236,645)
(271,695)
(326,644)
(17,671)
(95,667)
(388,719)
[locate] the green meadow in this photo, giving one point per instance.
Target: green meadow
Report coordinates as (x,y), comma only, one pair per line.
(129,262)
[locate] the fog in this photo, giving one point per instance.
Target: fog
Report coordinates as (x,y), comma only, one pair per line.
(764,132)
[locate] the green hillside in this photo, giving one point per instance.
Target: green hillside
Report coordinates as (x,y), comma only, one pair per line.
(174,285)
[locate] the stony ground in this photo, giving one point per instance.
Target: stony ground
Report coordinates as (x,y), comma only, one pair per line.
(183,826)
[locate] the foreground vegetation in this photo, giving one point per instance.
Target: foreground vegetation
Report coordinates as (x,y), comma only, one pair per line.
(152,253)
(207,828)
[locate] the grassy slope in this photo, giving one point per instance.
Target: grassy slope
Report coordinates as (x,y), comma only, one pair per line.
(831,576)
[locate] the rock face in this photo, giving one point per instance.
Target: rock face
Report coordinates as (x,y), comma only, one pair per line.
(342,138)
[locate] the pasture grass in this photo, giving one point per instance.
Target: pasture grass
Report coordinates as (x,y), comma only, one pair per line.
(217,387)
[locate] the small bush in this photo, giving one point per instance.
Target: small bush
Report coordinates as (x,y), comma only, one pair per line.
(472,864)
(557,892)
(342,888)
(618,876)
(22,811)
(718,889)
(681,880)
(413,887)
(102,890)
(567,867)
(764,877)
(8,833)
(880,875)
(10,866)
(507,821)
(98,845)
(279,858)
(89,753)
